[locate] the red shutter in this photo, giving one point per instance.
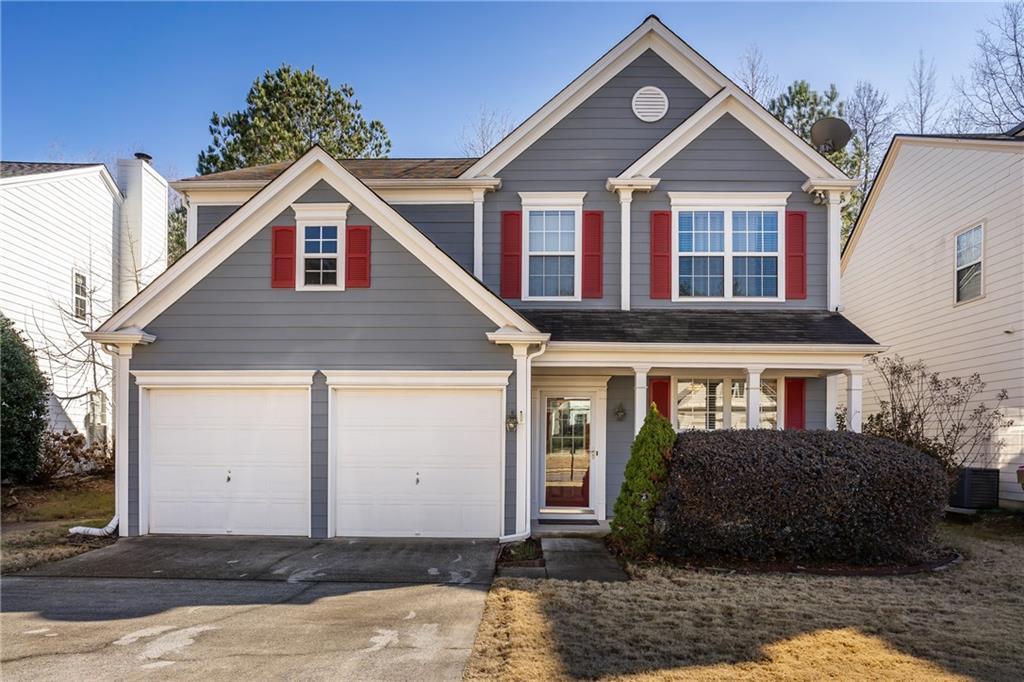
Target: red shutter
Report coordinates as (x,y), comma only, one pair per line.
(357,257)
(659,392)
(511,254)
(661,254)
(795,411)
(593,254)
(796,254)
(282,257)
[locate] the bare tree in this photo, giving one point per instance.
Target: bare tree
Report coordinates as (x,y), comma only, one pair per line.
(485,131)
(993,94)
(755,77)
(872,120)
(922,109)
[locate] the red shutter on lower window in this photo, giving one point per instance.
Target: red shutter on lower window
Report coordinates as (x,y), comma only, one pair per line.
(795,410)
(796,254)
(659,392)
(593,254)
(282,257)
(511,254)
(357,257)
(661,254)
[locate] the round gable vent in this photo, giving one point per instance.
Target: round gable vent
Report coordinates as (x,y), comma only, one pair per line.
(650,104)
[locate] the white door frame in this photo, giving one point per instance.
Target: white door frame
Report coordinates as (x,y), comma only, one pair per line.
(150,380)
(413,379)
(596,389)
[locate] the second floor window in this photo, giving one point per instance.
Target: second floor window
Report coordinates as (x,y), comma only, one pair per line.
(320,245)
(80,296)
(552,239)
(320,255)
(969,247)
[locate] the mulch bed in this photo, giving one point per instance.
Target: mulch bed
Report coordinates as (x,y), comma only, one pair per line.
(525,554)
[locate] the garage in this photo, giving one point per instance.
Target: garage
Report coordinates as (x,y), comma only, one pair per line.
(226,460)
(418,454)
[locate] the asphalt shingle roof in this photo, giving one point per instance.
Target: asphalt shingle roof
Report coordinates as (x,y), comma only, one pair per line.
(12,169)
(697,326)
(364,169)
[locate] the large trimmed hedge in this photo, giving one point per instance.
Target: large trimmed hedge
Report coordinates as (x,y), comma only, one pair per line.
(814,496)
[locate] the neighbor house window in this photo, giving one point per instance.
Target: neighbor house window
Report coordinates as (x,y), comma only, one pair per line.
(969,249)
(79,296)
(721,403)
(552,229)
(319,231)
(728,246)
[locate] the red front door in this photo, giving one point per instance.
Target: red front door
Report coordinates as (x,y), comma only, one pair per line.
(795,404)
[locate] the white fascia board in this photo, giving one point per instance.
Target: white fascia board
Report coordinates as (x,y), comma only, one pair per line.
(386,379)
(737,199)
(130,336)
(650,35)
(223,378)
(37,178)
(732,101)
(393,191)
(265,206)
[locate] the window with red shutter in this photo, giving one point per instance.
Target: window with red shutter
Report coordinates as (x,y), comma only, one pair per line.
(357,257)
(661,254)
(511,254)
(282,257)
(796,255)
(593,254)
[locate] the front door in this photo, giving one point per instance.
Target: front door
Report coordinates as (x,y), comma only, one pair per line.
(567,453)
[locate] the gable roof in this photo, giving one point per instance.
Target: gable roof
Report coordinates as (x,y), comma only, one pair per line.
(997,142)
(654,35)
(21,173)
(14,169)
(267,204)
(364,169)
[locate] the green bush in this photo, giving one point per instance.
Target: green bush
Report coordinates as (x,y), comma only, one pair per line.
(633,525)
(23,394)
(814,496)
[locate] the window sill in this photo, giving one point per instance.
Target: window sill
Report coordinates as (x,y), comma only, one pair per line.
(320,287)
(557,299)
(724,299)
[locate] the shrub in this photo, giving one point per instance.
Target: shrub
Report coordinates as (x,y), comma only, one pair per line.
(23,394)
(633,524)
(815,496)
(66,453)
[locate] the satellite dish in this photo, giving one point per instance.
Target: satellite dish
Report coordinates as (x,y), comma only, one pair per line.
(830,134)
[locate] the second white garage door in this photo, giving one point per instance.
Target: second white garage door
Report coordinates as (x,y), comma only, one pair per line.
(418,462)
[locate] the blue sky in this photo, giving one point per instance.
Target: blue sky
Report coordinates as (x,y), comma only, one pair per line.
(93,81)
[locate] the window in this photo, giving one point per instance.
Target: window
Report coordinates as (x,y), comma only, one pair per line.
(701,403)
(320,229)
(728,245)
(79,296)
(553,237)
(969,247)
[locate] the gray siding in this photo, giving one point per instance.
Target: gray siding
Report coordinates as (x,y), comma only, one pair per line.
(450,226)
(728,157)
(408,319)
(318,468)
(209,217)
(619,437)
(814,404)
(598,140)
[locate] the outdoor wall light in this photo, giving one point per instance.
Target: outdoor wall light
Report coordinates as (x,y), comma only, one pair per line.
(620,412)
(512,422)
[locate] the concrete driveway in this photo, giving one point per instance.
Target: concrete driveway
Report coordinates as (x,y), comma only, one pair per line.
(264,608)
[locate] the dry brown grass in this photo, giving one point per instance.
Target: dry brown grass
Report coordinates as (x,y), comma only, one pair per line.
(669,623)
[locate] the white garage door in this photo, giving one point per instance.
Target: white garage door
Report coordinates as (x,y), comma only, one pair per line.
(229,461)
(418,462)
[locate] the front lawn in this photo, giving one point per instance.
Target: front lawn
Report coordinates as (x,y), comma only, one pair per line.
(671,623)
(36,519)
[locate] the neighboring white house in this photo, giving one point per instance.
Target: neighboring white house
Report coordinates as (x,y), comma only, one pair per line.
(74,245)
(935,270)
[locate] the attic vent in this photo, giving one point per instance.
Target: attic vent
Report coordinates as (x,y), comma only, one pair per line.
(650,104)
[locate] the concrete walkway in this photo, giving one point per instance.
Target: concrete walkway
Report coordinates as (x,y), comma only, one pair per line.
(578,559)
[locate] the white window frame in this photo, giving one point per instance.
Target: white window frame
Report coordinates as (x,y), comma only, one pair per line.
(553,201)
(727,202)
(980,224)
(319,215)
(732,377)
(75,274)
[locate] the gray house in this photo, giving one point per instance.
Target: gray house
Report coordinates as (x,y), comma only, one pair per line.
(466,347)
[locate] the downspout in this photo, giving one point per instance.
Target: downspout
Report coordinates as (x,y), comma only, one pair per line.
(529,432)
(104,532)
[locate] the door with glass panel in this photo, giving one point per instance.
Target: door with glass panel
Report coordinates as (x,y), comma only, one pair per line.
(567,453)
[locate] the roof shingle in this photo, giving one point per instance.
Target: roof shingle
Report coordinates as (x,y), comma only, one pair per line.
(364,169)
(13,169)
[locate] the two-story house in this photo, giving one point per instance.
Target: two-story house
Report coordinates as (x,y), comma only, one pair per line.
(74,245)
(467,347)
(943,230)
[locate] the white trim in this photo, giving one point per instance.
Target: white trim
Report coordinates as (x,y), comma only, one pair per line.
(145,427)
(191,223)
(625,241)
(320,215)
(553,201)
(222,378)
(478,234)
(387,379)
(751,200)
(263,209)
(982,225)
(37,178)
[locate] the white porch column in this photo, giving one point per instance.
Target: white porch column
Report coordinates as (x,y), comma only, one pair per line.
(831,401)
(625,221)
(478,233)
(835,226)
(854,383)
(640,397)
(521,356)
(727,403)
(754,397)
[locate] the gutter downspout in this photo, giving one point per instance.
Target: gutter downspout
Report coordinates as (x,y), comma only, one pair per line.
(104,532)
